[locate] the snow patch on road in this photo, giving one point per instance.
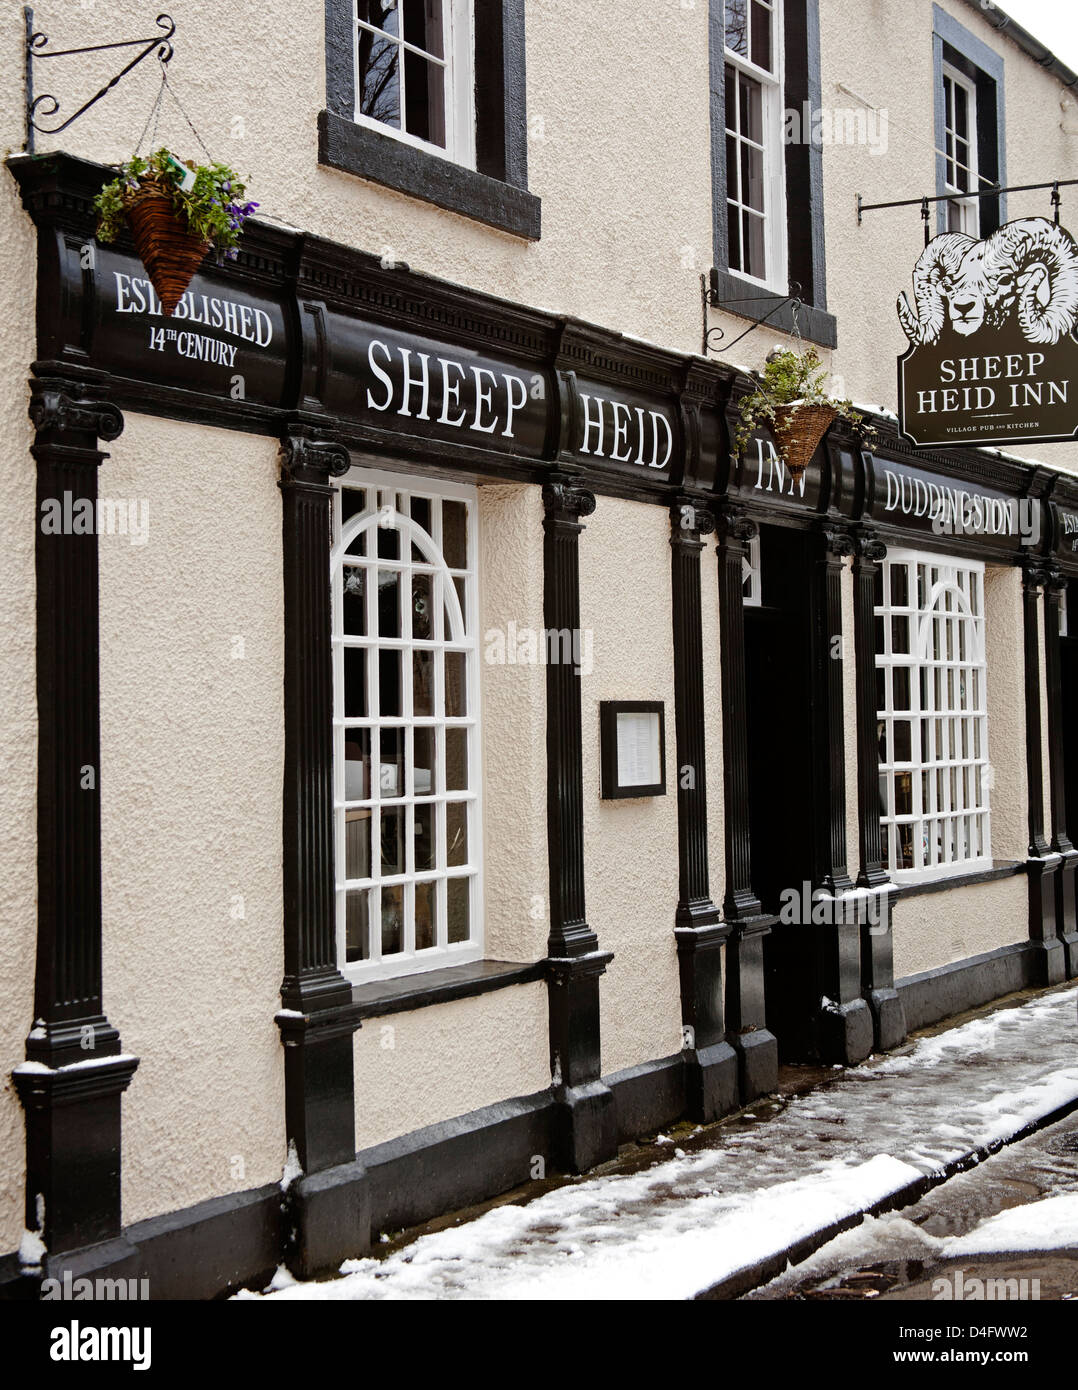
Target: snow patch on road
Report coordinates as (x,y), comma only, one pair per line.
(1051,1224)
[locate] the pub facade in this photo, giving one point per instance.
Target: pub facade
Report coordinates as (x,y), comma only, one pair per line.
(436,753)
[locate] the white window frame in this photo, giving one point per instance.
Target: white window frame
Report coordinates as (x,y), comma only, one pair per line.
(957,814)
(751,577)
(776,252)
(408,961)
(459,66)
(968,203)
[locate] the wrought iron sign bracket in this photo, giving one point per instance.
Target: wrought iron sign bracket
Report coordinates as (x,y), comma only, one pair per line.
(46,105)
(712,300)
(992,191)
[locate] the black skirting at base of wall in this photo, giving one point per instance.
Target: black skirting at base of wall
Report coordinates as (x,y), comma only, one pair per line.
(965,984)
(227,1243)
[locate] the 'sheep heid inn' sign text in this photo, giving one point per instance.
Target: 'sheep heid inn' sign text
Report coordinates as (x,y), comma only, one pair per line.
(993,355)
(221,342)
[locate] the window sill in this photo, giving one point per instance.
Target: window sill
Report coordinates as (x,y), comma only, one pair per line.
(815,324)
(440,986)
(367,153)
(1000,868)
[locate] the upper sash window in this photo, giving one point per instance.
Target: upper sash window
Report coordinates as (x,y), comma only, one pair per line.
(414,72)
(755,183)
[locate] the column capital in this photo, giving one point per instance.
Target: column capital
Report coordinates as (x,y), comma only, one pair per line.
(690,521)
(565,499)
(1035,573)
(1055,580)
(870,549)
(57,407)
(734,526)
(305,460)
(838,539)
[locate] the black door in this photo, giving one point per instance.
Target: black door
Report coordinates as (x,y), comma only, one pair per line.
(778,678)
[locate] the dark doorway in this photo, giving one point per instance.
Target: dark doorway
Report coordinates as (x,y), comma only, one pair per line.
(778,665)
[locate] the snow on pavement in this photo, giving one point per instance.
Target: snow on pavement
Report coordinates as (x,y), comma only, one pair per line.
(693,1220)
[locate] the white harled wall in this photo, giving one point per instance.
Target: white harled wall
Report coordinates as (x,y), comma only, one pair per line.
(619,154)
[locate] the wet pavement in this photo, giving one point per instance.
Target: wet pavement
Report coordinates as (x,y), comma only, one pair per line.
(904,1255)
(719,1208)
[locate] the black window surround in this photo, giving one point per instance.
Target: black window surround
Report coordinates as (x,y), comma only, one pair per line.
(496,190)
(804,181)
(954,45)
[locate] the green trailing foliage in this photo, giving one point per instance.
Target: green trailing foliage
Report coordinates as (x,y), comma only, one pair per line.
(797,379)
(213,208)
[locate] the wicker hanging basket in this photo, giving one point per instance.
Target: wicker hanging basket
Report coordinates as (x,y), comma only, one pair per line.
(165,246)
(798,430)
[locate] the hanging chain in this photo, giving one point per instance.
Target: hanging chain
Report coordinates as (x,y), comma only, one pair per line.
(166,83)
(155,116)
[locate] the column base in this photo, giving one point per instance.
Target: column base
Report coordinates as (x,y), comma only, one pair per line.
(329,1215)
(846,1032)
(1049,962)
(888,1019)
(319,1084)
(73,1150)
(1041,875)
(1067,911)
(711,1082)
(757,1063)
(585,1127)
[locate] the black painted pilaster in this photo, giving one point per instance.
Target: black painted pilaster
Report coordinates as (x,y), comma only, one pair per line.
(746,1028)
(585,1129)
(711,1064)
(72,1109)
(877,938)
(844,1025)
(1061,844)
(1041,866)
(317,1017)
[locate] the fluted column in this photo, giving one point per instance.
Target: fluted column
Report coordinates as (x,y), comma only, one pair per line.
(877,936)
(746,1028)
(843,1025)
(75,1072)
(329,1211)
(1041,866)
(711,1064)
(585,1131)
(1066,924)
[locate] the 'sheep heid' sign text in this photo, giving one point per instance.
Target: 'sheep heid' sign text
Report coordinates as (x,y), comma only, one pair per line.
(223,342)
(625,432)
(993,356)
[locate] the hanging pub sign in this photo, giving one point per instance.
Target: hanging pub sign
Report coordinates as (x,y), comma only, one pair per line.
(993,355)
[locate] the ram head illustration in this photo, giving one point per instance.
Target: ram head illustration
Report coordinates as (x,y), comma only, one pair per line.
(1028,271)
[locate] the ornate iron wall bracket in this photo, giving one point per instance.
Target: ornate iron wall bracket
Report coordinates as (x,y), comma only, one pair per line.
(47,105)
(712,300)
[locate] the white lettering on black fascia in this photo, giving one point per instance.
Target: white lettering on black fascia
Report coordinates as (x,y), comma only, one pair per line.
(777,476)
(135,296)
(613,422)
(496,396)
(952,509)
